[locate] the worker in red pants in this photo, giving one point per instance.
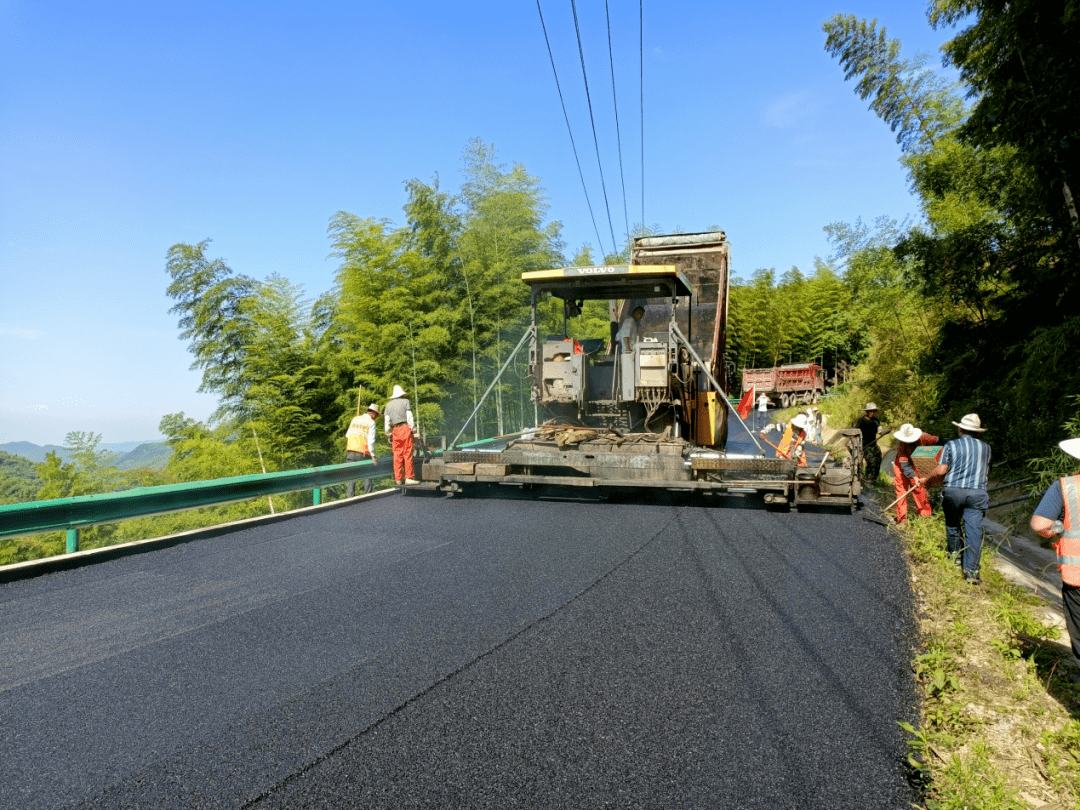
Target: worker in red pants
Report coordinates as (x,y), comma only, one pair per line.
(398,422)
(909,437)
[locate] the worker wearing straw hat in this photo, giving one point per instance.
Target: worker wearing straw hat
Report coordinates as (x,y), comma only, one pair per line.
(907,480)
(398,417)
(1058,515)
(963,470)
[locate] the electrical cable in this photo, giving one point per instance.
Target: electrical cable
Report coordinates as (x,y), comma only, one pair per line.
(568,129)
(615,103)
(592,120)
(641,85)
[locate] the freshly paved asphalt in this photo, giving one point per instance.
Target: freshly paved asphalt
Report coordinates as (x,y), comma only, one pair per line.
(444,653)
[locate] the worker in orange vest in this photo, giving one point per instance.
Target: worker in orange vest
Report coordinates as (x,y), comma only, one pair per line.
(360,442)
(1058,515)
(791,443)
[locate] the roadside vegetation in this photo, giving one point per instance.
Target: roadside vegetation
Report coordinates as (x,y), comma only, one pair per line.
(1000,718)
(1000,715)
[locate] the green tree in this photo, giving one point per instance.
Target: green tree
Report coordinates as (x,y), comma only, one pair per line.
(89,472)
(282,383)
(19,482)
(373,302)
(994,259)
(211,302)
(916,104)
(1020,63)
(437,333)
(899,323)
(258,344)
(504,235)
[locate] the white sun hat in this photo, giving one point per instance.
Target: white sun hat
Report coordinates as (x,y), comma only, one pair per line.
(1071,446)
(799,421)
(398,392)
(908,433)
(970,422)
(871,406)
(373,407)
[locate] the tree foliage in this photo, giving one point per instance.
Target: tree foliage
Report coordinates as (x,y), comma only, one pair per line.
(918,106)
(793,319)
(992,266)
(19,482)
(211,304)
(1020,63)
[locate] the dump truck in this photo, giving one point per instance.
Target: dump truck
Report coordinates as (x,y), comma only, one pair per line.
(788,384)
(648,409)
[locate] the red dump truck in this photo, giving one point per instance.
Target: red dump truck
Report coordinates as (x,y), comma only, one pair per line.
(788,384)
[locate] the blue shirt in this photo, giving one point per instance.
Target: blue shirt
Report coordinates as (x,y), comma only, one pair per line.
(968,460)
(1052,505)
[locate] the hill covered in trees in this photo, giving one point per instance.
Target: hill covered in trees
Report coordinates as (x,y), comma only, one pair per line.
(18,479)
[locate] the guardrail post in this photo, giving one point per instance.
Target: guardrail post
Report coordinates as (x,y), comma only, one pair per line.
(72,540)
(316,496)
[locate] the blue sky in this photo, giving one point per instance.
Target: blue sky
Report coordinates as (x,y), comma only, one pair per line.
(126,127)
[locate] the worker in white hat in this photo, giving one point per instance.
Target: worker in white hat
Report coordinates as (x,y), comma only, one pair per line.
(791,443)
(399,424)
(1058,515)
(963,470)
(813,424)
(907,480)
(360,442)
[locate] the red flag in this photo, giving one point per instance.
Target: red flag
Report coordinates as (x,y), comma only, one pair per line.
(746,404)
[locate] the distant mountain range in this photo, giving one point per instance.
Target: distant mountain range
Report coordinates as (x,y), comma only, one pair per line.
(129,455)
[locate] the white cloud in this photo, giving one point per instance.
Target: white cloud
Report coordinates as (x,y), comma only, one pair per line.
(7,330)
(790,110)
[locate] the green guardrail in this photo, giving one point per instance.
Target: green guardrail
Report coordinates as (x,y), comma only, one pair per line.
(83,511)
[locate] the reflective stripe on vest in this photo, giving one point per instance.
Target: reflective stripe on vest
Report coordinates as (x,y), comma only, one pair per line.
(1068,547)
(356,439)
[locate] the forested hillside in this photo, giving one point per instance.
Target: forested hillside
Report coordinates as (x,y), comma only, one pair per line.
(18,479)
(990,317)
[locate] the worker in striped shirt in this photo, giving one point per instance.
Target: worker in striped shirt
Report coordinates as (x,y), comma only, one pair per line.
(964,467)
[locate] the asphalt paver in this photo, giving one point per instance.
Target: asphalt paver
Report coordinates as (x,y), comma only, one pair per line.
(471,652)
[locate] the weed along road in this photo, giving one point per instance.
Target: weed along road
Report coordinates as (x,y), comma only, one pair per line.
(470,652)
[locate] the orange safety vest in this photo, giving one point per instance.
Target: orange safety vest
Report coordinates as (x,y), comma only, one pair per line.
(356,439)
(1068,547)
(788,446)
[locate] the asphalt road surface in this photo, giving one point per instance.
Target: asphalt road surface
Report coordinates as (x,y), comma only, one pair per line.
(444,653)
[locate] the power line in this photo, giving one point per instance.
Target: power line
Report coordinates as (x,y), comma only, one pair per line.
(641,87)
(615,102)
(599,242)
(592,120)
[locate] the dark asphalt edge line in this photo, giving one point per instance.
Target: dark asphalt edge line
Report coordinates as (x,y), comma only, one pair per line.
(29,569)
(297,774)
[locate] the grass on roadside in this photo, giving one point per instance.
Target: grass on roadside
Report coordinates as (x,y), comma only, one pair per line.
(1000,720)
